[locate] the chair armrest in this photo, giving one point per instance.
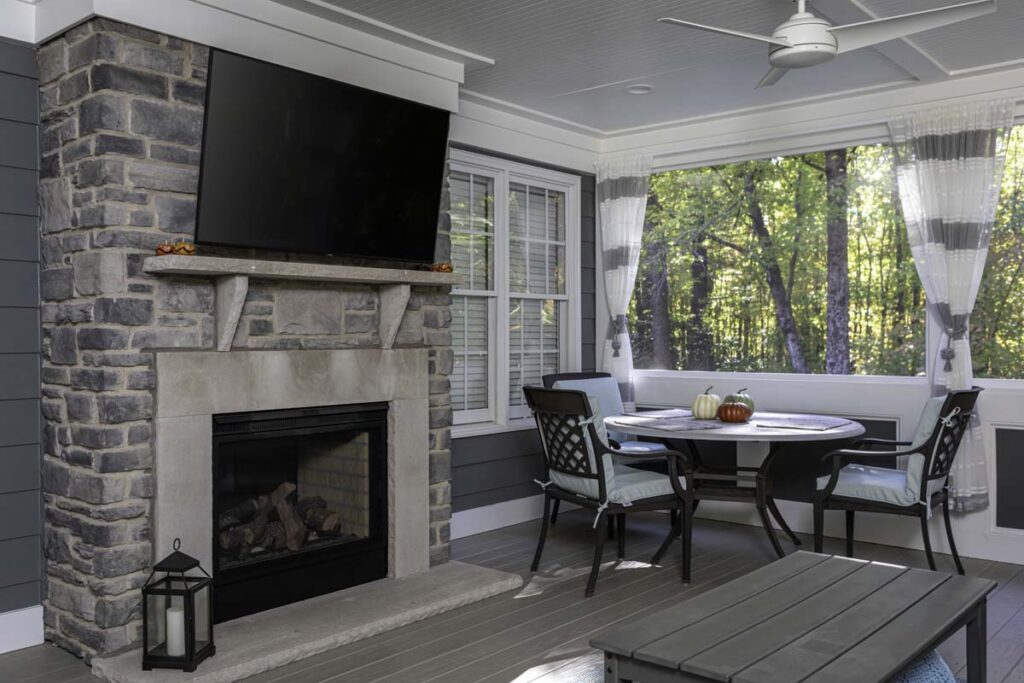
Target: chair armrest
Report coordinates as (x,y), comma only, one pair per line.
(880,442)
(679,466)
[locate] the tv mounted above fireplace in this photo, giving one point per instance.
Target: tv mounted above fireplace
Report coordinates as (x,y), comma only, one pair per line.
(297,162)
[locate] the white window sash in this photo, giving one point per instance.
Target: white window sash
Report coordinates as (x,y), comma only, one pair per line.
(500,415)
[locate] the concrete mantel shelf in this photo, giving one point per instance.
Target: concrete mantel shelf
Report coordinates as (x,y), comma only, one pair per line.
(232,283)
(218,266)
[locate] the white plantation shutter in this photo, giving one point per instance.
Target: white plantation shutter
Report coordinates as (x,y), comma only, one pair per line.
(511,227)
(472,235)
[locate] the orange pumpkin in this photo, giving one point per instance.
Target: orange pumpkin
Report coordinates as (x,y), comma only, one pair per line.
(734,411)
(164,248)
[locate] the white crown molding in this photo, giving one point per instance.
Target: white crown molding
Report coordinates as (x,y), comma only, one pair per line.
(856,118)
(325,43)
(340,15)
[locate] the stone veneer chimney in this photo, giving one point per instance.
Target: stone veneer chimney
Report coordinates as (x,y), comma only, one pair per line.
(122,114)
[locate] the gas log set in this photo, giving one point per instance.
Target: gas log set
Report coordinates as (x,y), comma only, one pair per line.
(275,523)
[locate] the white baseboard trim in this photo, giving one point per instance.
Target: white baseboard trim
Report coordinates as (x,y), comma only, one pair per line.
(490,517)
(21,628)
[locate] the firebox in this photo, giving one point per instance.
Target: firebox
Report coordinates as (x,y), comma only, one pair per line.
(300,504)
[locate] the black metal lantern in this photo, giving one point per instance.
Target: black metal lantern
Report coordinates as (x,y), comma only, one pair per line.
(177,617)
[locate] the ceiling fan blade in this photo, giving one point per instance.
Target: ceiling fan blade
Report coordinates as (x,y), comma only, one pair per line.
(773,76)
(867,33)
(726,31)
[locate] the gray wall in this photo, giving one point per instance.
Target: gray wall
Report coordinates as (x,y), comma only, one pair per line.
(20,512)
(499,467)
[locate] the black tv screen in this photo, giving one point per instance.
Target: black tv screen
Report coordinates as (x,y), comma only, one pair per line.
(297,162)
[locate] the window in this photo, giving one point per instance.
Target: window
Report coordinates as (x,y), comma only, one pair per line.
(801,264)
(515,242)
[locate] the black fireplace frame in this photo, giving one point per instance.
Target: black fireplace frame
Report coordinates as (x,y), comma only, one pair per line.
(263,584)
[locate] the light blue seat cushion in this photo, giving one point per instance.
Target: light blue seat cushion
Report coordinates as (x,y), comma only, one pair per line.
(627,484)
(884,485)
(604,391)
(929,669)
(642,446)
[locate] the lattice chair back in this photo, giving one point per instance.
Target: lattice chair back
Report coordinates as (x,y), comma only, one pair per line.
(572,443)
(940,449)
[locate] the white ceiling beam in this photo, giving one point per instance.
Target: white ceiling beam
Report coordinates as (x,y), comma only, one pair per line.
(902,52)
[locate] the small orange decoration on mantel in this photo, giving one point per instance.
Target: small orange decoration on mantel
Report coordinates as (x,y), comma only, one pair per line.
(734,412)
(442,268)
(178,248)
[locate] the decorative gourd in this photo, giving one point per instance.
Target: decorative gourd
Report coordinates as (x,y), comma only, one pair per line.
(740,396)
(734,412)
(705,406)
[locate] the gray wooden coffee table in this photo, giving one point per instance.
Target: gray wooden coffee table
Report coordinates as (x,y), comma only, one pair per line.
(806,617)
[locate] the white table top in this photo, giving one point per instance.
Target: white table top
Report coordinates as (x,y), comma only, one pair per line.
(748,432)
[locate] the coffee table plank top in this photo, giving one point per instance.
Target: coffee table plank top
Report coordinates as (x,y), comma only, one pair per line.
(626,639)
(813,650)
(931,617)
(805,617)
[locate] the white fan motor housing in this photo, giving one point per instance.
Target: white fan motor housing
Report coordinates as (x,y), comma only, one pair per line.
(812,42)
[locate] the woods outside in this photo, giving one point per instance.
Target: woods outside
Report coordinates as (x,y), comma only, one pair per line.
(802,264)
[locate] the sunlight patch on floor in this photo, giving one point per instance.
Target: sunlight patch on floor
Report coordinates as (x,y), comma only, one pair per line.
(585,668)
(555,573)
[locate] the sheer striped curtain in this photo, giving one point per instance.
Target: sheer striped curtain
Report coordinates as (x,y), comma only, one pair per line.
(622,201)
(950,169)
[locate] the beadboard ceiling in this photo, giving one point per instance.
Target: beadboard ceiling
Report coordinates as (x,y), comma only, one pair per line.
(572,59)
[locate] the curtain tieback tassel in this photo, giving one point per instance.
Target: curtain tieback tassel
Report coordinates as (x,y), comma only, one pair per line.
(619,323)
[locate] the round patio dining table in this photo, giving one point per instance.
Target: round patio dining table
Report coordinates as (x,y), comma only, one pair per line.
(713,483)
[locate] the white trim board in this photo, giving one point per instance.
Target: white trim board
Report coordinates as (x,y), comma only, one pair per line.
(499,515)
(272,31)
(21,628)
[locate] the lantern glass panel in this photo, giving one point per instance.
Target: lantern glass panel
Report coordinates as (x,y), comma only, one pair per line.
(202,603)
(166,624)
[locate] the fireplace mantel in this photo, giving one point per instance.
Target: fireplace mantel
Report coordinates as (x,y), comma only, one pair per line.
(231,276)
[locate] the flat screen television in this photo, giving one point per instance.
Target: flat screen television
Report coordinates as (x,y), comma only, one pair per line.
(297,162)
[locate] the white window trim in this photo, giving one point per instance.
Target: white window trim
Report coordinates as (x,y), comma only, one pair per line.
(498,418)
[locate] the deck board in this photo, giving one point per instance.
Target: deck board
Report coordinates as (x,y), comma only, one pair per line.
(545,638)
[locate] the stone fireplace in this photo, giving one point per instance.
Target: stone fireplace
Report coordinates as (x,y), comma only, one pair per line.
(132,381)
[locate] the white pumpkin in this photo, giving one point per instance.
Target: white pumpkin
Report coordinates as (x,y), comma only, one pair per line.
(705,406)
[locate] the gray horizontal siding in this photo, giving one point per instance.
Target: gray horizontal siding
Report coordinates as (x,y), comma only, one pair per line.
(588,273)
(20,508)
(501,467)
(1010,478)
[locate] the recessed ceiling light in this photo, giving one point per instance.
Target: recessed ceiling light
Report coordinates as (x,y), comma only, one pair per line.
(640,89)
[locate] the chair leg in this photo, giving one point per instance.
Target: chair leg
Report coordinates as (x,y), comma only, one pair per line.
(819,527)
(672,533)
(949,536)
(621,532)
(611,530)
(543,533)
(602,523)
(927,539)
(554,511)
(849,533)
(687,522)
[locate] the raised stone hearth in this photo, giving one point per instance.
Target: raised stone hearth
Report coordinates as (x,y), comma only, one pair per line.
(269,640)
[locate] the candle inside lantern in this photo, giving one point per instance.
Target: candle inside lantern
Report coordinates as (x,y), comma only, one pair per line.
(175,631)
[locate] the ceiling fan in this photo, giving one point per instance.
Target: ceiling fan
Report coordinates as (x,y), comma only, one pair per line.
(806,40)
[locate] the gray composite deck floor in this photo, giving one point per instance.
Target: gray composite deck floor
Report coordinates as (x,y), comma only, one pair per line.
(543,638)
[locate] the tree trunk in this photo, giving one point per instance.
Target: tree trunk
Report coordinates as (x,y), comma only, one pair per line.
(770,263)
(658,301)
(837,311)
(698,349)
